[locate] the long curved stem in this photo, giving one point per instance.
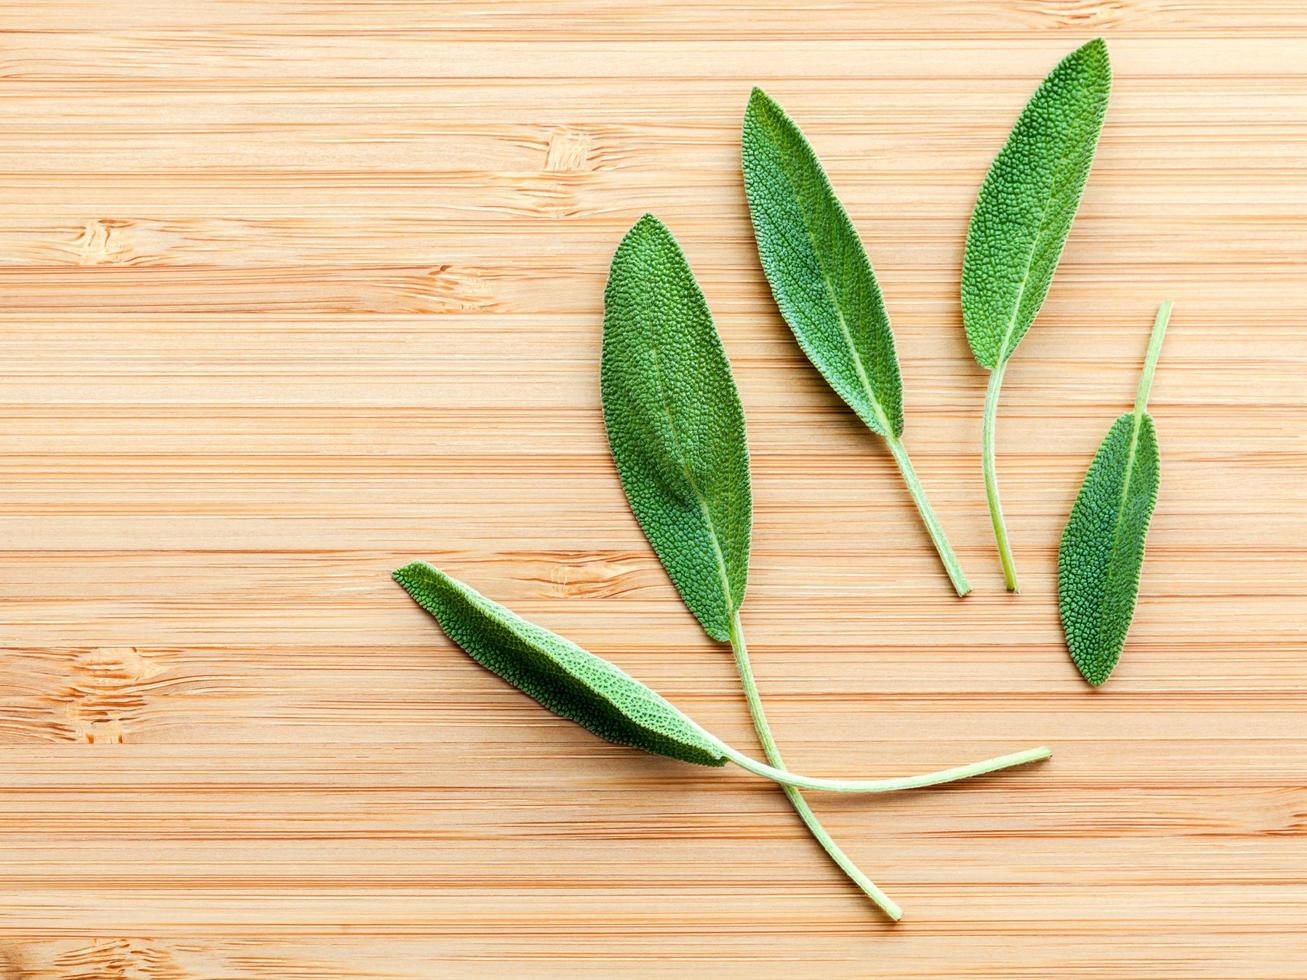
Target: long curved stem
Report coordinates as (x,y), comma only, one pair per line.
(937,536)
(773,754)
(991,478)
(786,778)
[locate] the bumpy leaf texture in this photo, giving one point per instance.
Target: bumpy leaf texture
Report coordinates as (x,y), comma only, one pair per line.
(1027,203)
(1103,546)
(569,681)
(675,424)
(819,272)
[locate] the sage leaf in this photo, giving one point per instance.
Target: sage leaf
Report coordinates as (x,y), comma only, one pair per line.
(825,288)
(1027,202)
(676,430)
(675,424)
(819,272)
(1018,229)
(569,681)
(1102,548)
(600,697)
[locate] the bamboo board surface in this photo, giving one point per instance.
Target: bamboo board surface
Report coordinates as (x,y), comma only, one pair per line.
(291,293)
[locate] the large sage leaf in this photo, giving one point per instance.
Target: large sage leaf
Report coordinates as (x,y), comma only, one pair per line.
(676,430)
(825,288)
(1018,228)
(1102,548)
(675,424)
(569,681)
(1027,202)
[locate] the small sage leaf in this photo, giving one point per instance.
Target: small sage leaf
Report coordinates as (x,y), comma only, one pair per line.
(1027,202)
(569,681)
(1102,548)
(826,290)
(675,424)
(1020,223)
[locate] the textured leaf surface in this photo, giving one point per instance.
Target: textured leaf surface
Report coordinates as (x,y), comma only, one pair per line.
(1103,546)
(675,424)
(1027,202)
(567,680)
(819,272)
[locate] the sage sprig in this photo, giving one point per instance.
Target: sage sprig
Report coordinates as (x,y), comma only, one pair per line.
(1019,226)
(826,290)
(676,430)
(1102,548)
(600,697)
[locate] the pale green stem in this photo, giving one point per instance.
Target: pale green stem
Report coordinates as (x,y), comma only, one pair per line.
(937,536)
(786,778)
(991,478)
(1150,359)
(741,650)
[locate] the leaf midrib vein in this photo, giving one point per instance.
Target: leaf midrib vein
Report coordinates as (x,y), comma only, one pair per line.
(1063,156)
(1119,523)
(723,575)
(877,410)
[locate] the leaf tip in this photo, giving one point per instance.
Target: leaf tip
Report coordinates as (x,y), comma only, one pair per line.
(1093,53)
(760,103)
(648,226)
(412,574)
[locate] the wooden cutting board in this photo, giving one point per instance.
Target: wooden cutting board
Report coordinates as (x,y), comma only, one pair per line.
(291,293)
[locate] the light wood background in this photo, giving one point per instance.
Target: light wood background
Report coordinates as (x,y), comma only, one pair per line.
(293,292)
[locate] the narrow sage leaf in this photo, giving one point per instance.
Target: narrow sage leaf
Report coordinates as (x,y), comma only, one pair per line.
(825,288)
(569,681)
(676,430)
(675,424)
(1019,226)
(597,695)
(1102,548)
(819,272)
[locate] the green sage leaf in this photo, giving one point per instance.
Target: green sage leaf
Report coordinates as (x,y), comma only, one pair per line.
(603,699)
(819,272)
(1018,228)
(675,424)
(826,290)
(1102,549)
(569,681)
(676,430)
(1027,202)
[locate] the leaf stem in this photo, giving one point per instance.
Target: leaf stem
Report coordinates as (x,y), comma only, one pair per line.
(786,778)
(937,536)
(991,478)
(869,888)
(1150,359)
